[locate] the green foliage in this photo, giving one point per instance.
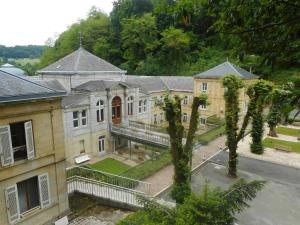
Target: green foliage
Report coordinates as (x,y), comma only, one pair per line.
(211,135)
(21,52)
(212,206)
(148,168)
(258,93)
(232,85)
(272,143)
(215,120)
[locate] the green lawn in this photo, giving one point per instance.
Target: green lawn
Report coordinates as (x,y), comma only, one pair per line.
(288,131)
(271,143)
(211,135)
(110,166)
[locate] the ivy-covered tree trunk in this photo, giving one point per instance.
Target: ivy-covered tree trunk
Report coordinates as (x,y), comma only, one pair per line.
(181,154)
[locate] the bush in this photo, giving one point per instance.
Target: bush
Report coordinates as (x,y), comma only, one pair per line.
(215,120)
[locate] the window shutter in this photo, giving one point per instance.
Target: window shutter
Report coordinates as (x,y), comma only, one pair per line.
(6,150)
(12,204)
(44,190)
(29,140)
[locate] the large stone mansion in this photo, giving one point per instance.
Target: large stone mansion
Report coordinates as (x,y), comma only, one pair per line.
(100,95)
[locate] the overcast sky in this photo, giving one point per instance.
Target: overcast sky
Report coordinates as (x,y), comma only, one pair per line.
(24,22)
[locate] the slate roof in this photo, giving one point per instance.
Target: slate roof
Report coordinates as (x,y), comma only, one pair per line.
(179,83)
(8,68)
(100,85)
(80,62)
(74,99)
(224,69)
(151,84)
(15,89)
(52,84)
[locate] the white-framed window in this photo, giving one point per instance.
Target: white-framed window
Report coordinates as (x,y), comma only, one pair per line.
(184,117)
(76,119)
(79,118)
(145,105)
(83,118)
(16,142)
(101,143)
(161,117)
(130,105)
(204,87)
(185,100)
(202,121)
(203,106)
(27,195)
(155,118)
(140,106)
(100,111)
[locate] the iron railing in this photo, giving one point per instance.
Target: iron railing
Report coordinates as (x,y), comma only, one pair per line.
(109,178)
(141,136)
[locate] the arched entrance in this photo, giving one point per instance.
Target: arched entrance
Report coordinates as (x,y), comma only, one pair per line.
(116,110)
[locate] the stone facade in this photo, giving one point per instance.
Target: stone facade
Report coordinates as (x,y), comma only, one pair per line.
(41,172)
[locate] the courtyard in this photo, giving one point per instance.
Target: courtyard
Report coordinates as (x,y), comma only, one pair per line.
(277,204)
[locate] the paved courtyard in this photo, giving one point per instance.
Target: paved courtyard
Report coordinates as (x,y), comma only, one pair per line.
(277,204)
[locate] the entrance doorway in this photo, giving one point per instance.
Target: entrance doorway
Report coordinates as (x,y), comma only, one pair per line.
(116,110)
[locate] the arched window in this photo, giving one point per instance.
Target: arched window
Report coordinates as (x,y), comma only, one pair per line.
(100,111)
(130,105)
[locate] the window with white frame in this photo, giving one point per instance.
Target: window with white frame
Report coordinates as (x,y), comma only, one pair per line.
(79,118)
(101,144)
(100,111)
(145,105)
(184,117)
(185,100)
(140,106)
(83,118)
(130,105)
(16,142)
(26,195)
(202,121)
(204,87)
(203,106)
(76,119)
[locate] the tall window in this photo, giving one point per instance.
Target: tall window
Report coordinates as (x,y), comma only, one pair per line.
(203,106)
(145,105)
(101,144)
(83,118)
(204,87)
(202,121)
(161,117)
(184,117)
(76,119)
(140,106)
(100,111)
(155,119)
(130,105)
(185,100)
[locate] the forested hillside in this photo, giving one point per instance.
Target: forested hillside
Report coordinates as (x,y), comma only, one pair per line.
(19,52)
(183,37)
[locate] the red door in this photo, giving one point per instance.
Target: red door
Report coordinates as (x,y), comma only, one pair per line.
(116,110)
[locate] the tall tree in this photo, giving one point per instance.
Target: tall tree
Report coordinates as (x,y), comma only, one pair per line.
(212,206)
(181,153)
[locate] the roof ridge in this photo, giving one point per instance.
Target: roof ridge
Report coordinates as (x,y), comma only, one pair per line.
(232,66)
(168,88)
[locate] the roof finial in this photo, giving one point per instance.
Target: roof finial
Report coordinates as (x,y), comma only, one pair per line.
(227,59)
(80,39)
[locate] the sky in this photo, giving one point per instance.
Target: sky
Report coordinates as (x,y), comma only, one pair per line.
(24,22)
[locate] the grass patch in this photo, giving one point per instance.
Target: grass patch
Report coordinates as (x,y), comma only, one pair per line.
(288,131)
(110,165)
(211,135)
(271,143)
(148,168)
